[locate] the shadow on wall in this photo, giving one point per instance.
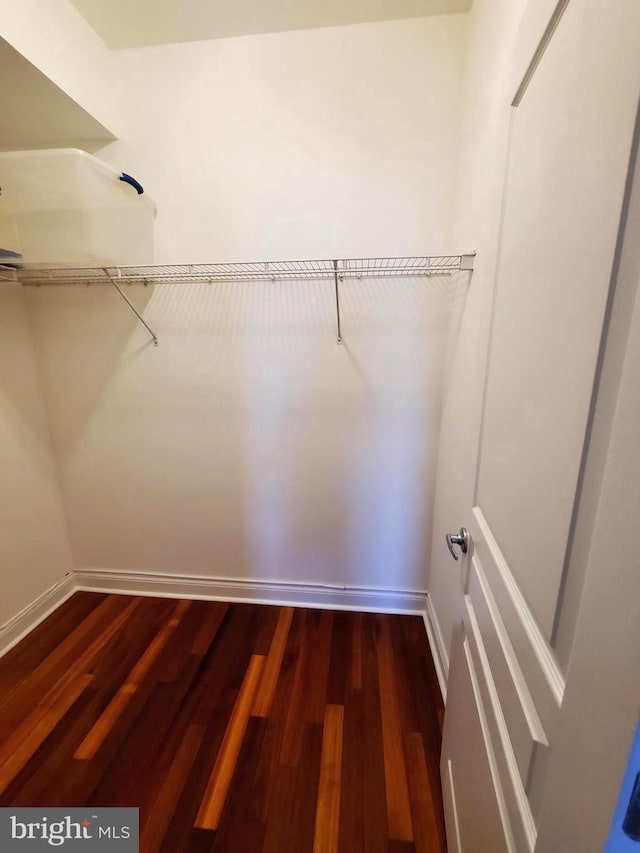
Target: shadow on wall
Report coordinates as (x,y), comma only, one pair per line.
(83,337)
(34,552)
(22,413)
(248,444)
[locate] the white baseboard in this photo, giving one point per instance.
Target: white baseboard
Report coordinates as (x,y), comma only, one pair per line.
(438,647)
(367,599)
(22,623)
(372,599)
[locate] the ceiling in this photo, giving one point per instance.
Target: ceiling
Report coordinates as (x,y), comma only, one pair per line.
(138,23)
(36,113)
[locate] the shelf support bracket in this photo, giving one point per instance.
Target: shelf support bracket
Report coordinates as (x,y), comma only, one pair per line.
(335,278)
(132,306)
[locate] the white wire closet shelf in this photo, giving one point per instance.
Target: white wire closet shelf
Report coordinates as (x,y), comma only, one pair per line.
(335,269)
(252,270)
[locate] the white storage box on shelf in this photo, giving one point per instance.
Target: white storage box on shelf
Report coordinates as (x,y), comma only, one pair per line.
(65,208)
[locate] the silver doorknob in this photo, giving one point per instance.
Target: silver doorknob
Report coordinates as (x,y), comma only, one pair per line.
(461,539)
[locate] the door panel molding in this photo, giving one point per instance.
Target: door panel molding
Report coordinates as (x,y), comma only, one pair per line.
(537,660)
(545,39)
(499,746)
(477,817)
(451,810)
(521,715)
(539,22)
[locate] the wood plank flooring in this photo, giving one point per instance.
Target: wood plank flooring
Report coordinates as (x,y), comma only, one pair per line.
(233,727)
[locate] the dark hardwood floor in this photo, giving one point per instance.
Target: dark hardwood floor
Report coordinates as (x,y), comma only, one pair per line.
(233,727)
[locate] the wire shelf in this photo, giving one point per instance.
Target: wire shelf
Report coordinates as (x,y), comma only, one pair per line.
(252,271)
(335,270)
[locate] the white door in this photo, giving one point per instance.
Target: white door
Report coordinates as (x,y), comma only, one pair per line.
(574,110)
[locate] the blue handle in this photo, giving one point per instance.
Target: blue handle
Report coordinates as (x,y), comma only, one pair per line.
(135,184)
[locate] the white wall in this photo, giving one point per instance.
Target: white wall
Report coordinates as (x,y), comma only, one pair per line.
(249,445)
(332,142)
(34,548)
(492,29)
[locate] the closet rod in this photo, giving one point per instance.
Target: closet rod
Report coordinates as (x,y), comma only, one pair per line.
(334,269)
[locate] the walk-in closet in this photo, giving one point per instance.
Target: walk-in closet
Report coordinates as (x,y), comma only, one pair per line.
(319,338)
